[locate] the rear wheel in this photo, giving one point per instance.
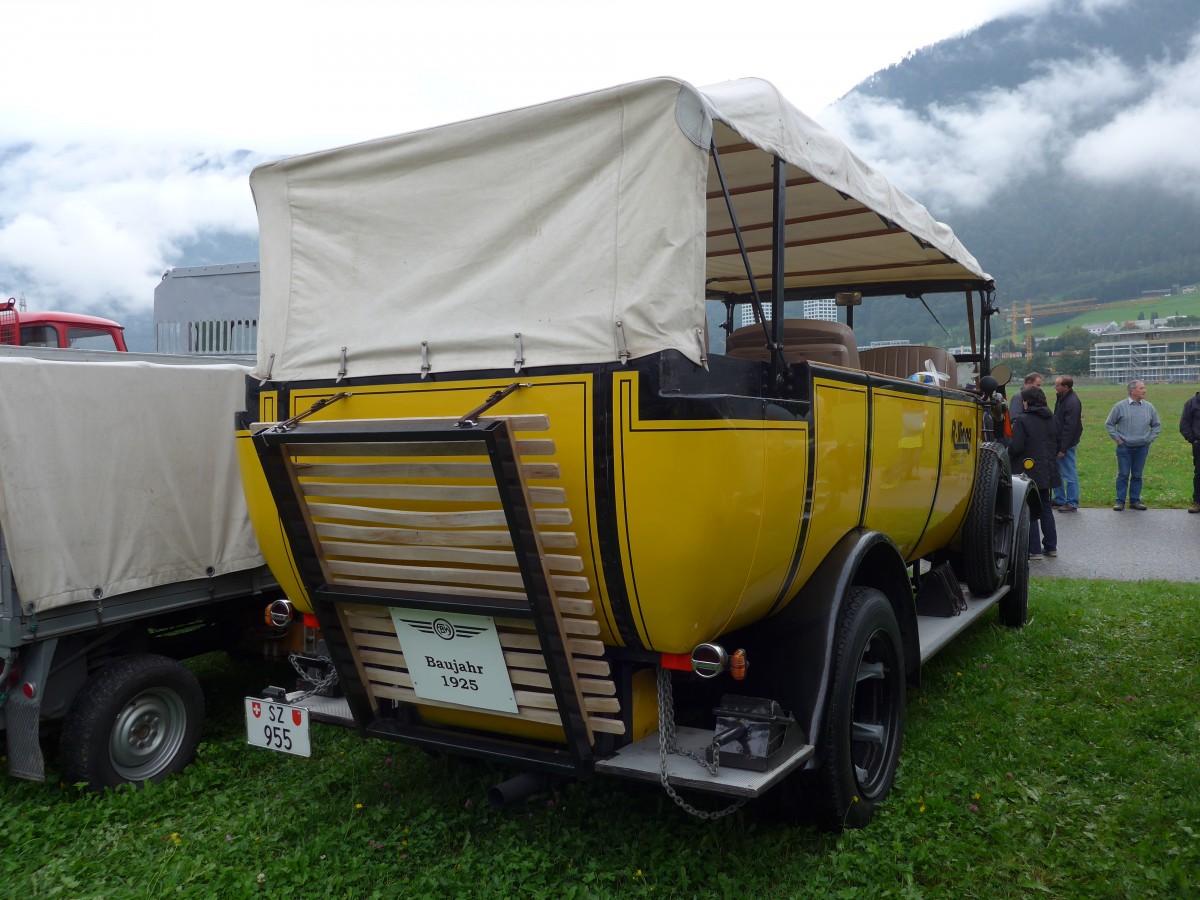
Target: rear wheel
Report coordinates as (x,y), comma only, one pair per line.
(863,726)
(1014,606)
(988,530)
(136,720)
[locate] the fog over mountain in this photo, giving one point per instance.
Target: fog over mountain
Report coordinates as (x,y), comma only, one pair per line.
(1060,144)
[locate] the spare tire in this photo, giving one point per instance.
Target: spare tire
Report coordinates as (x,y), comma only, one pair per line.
(987,534)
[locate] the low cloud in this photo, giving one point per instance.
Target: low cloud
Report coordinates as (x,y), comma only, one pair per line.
(96,224)
(1153,140)
(1094,118)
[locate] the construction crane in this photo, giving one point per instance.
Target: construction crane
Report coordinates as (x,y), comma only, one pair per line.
(1059,307)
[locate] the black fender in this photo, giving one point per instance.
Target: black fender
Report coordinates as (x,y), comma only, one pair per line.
(791,653)
(1026,492)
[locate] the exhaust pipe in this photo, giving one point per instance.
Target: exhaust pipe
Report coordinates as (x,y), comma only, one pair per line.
(518,788)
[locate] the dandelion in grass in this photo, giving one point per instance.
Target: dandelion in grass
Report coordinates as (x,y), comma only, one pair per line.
(176,839)
(358,806)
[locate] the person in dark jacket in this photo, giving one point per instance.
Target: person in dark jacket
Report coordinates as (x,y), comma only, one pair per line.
(1068,412)
(1035,437)
(1189,427)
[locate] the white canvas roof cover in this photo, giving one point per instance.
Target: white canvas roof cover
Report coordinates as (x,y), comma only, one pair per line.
(559,221)
(119,476)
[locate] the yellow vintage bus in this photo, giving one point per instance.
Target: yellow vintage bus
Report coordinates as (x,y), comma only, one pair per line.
(544,512)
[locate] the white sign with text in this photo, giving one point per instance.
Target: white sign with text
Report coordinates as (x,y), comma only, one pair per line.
(455,658)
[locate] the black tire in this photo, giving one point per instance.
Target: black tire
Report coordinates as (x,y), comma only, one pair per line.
(136,720)
(1014,606)
(859,743)
(988,530)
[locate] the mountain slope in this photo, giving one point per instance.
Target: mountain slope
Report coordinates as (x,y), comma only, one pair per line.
(1059,146)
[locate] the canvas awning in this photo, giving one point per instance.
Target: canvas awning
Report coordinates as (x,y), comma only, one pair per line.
(591,227)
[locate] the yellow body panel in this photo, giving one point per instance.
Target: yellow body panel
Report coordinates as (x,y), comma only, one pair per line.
(706,540)
(710,514)
(840,417)
(906,446)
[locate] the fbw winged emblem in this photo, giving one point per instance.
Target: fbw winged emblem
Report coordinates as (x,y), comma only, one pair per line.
(444,629)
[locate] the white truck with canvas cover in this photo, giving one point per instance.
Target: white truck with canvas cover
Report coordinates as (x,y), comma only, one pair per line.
(124,546)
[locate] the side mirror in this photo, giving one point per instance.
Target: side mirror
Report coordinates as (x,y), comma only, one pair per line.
(1002,374)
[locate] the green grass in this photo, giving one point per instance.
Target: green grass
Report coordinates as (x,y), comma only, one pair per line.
(1127,311)
(1168,474)
(1059,760)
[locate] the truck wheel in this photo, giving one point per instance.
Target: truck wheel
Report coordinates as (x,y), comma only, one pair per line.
(1014,606)
(135,720)
(863,728)
(988,530)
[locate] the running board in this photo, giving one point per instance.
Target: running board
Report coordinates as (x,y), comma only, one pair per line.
(937,631)
(641,761)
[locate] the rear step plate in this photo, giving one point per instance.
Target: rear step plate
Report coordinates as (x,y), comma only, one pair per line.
(331,710)
(640,761)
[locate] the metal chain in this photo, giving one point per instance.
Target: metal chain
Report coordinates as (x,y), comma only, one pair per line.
(318,684)
(667,745)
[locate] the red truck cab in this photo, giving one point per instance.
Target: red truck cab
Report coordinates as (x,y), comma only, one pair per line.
(59,329)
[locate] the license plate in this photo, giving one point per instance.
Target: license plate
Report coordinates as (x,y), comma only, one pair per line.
(277,726)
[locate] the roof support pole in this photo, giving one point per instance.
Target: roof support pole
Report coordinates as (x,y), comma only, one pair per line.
(756,301)
(778,245)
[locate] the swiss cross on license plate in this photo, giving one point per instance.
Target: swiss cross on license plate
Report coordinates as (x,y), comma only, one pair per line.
(277,726)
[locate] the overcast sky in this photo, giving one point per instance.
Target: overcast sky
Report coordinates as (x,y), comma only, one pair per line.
(128,128)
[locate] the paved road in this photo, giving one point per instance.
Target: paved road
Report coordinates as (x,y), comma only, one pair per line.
(1125,546)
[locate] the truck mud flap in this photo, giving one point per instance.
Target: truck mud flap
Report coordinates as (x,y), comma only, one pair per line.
(410,531)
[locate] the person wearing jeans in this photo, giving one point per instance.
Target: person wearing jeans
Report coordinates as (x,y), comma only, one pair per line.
(1134,425)
(1068,412)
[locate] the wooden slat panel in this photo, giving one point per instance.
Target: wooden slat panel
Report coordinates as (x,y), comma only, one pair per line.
(611,726)
(416,588)
(570,606)
(527,677)
(407,695)
(474,518)
(388,676)
(399,449)
(381,658)
(535,471)
(548,701)
(535,447)
(516,660)
(519,641)
(555,540)
(582,647)
(472,555)
(383,642)
(413,449)
(531,422)
(447,576)
(580,626)
(598,686)
(464,493)
(597,667)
